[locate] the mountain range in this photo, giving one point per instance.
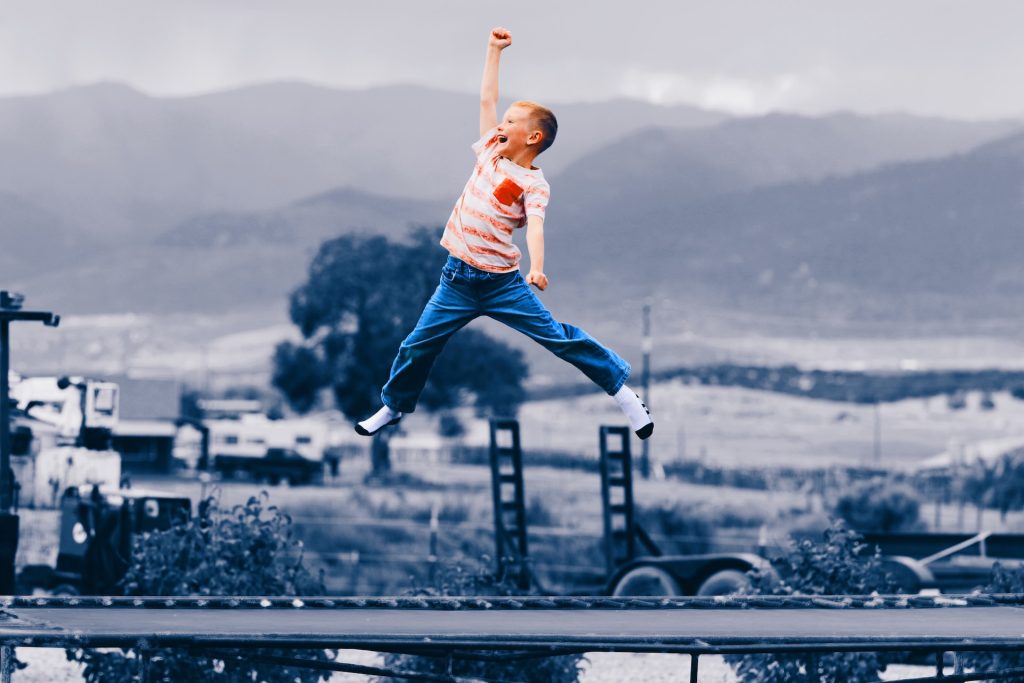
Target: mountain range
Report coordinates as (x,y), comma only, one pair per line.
(116,201)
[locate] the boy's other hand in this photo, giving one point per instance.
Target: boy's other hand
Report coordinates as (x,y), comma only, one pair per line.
(500,38)
(537,279)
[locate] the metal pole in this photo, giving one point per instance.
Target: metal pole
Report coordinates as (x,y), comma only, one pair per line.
(6,663)
(10,311)
(645,453)
(878,434)
(5,419)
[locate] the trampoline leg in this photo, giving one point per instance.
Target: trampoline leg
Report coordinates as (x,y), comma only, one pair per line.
(958,663)
(939,665)
(6,663)
(694,663)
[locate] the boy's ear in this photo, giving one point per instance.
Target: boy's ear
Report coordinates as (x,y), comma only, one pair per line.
(535,137)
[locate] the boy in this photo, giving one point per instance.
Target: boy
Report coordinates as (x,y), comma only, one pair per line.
(505,191)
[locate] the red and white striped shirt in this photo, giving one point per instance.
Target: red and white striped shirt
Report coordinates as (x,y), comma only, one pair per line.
(496,200)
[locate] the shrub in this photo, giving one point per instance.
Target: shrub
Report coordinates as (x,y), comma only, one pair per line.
(455,580)
(688,529)
(837,566)
(1003,580)
(876,506)
(247,550)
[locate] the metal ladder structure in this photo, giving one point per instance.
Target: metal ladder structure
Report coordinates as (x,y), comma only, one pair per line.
(511,548)
(622,535)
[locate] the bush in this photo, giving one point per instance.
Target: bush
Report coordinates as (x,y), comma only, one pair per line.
(836,567)
(457,581)
(687,529)
(247,550)
(876,506)
(1003,580)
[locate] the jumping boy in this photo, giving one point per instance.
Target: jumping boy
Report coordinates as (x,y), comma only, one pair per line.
(505,192)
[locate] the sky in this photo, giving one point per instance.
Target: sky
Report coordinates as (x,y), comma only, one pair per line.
(955,59)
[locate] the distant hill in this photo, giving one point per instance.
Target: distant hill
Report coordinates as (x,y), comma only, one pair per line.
(228,260)
(32,239)
(657,163)
(928,239)
(218,202)
(118,164)
(309,221)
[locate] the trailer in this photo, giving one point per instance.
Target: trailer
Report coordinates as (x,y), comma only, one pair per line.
(635,566)
(953,563)
(270,450)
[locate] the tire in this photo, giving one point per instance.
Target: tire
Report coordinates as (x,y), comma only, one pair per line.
(724,582)
(65,590)
(646,581)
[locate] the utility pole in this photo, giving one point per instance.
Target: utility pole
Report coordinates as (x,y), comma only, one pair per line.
(645,453)
(10,311)
(878,434)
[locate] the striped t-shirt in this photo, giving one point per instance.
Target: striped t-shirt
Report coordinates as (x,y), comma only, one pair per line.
(496,200)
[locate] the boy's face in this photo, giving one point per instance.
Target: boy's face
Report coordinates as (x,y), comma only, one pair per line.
(517,131)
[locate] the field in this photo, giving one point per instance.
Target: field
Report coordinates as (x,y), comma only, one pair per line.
(737,427)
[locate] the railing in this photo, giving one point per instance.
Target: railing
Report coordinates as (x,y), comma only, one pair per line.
(520,628)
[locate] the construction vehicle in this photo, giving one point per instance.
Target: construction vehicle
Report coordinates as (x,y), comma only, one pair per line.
(63,433)
(96,530)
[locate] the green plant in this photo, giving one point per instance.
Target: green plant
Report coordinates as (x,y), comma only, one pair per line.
(247,550)
(879,507)
(837,566)
(686,526)
(1003,580)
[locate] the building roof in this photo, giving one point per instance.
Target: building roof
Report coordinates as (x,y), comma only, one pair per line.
(148,399)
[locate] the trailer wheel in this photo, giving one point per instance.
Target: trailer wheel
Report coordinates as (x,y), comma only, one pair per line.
(646,581)
(65,590)
(724,582)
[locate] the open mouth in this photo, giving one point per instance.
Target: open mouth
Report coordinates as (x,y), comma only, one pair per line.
(502,139)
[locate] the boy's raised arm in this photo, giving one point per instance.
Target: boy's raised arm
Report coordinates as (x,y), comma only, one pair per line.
(499,40)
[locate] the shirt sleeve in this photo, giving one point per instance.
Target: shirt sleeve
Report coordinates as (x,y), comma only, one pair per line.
(484,147)
(535,199)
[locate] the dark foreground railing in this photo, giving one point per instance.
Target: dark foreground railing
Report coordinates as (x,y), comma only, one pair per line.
(524,628)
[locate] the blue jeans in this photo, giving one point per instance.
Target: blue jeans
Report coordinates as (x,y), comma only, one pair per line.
(465,293)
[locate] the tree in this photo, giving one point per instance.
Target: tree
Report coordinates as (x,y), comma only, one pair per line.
(363,295)
(877,506)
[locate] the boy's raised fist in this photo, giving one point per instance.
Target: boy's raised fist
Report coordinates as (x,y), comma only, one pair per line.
(500,38)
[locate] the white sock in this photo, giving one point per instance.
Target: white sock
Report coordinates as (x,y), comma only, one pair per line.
(634,408)
(379,419)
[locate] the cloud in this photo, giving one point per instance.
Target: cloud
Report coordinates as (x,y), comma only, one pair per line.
(736,95)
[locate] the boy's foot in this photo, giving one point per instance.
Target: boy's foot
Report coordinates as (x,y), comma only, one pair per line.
(378,421)
(639,417)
